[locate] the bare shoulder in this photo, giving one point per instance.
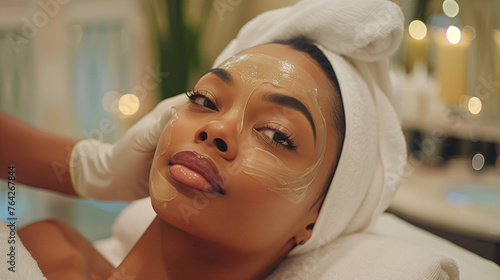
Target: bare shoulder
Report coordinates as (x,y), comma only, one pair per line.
(62,252)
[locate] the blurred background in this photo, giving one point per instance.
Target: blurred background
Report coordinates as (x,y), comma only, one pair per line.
(71,66)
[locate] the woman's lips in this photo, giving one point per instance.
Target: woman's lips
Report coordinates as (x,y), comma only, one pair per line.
(197,171)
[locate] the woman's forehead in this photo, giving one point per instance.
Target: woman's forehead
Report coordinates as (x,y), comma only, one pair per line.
(298,59)
(257,68)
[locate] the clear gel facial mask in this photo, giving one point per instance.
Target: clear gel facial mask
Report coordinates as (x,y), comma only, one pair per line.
(156,180)
(258,69)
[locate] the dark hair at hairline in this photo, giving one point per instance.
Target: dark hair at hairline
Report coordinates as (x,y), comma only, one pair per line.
(306,45)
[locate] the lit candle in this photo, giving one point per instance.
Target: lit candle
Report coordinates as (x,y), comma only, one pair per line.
(452,57)
(417,42)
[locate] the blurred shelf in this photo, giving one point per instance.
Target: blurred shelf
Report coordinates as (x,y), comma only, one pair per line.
(456,126)
(439,197)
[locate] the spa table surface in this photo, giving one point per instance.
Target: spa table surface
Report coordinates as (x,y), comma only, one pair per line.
(453,198)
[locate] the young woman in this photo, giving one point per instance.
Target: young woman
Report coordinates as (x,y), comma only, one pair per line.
(238,179)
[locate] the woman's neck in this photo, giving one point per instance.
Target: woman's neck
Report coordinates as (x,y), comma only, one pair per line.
(165,252)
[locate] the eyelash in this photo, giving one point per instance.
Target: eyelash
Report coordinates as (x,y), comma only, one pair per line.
(287,136)
(193,94)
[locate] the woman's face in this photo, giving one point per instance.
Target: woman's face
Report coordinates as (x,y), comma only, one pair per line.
(243,163)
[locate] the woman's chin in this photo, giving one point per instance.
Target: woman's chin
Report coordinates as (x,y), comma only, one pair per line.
(161,196)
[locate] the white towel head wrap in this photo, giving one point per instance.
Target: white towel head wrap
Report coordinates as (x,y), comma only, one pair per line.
(357,36)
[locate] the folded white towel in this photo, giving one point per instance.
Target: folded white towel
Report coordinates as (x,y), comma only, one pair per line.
(366,30)
(16,264)
(367,256)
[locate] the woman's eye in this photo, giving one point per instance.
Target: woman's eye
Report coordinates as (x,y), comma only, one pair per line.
(205,102)
(275,136)
(200,99)
(279,138)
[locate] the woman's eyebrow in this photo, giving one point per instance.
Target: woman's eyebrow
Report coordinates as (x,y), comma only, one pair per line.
(292,103)
(223,74)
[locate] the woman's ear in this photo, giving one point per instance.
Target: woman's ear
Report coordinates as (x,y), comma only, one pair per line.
(307,227)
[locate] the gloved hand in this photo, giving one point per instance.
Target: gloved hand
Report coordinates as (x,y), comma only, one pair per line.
(120,171)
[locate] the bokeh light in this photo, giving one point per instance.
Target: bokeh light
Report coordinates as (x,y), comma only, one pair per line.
(453,34)
(450,8)
(128,104)
(417,30)
(478,162)
(474,105)
(469,32)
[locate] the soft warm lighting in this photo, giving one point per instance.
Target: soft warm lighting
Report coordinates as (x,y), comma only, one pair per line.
(453,34)
(450,8)
(478,161)
(469,32)
(474,105)
(128,104)
(110,101)
(417,30)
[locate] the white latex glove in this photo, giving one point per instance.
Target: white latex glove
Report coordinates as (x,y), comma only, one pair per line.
(120,171)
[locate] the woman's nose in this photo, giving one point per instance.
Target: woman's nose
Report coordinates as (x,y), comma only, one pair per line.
(221,136)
